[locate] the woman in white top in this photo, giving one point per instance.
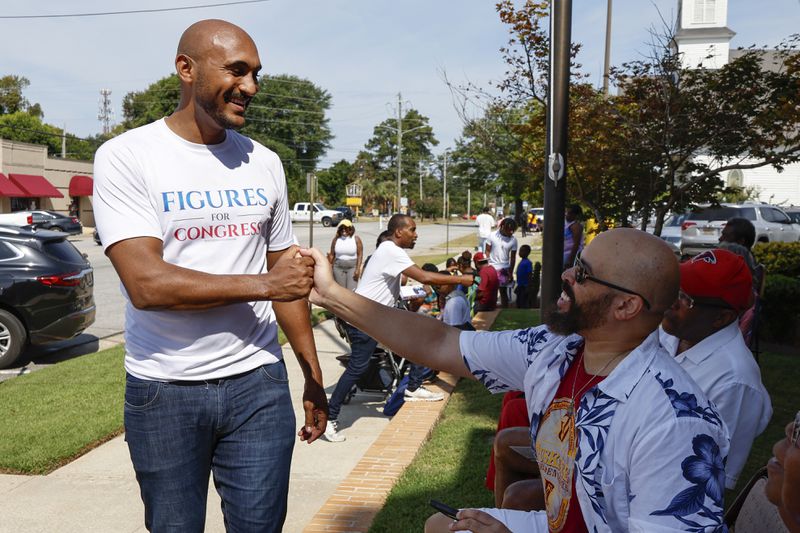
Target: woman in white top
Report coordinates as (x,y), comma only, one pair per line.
(345,255)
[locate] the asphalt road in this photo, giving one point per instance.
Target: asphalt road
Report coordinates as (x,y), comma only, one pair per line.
(110,317)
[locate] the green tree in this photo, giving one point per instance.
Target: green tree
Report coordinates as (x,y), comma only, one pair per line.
(332,182)
(24,127)
(380,151)
(11,98)
(687,127)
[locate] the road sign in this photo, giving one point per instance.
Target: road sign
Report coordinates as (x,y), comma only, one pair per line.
(353,190)
(354,202)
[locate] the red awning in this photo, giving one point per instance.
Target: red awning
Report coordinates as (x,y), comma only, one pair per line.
(35,186)
(81,186)
(9,189)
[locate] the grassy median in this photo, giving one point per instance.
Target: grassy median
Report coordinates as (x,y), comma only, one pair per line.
(54,415)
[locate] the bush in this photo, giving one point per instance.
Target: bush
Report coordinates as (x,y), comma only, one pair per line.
(779,257)
(781,318)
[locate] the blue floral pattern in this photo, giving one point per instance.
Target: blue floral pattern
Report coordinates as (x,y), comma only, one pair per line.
(685,404)
(592,422)
(705,470)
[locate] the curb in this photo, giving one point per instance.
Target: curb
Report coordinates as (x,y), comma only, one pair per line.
(360,496)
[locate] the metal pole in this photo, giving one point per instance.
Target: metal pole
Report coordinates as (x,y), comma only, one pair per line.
(399,145)
(607,64)
(444,191)
(311,179)
(447,226)
(469,201)
(555,185)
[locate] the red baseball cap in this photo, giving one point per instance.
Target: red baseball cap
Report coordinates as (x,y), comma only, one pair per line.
(479,257)
(718,274)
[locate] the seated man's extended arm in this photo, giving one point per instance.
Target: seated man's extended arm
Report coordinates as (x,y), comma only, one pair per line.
(418,338)
(152,283)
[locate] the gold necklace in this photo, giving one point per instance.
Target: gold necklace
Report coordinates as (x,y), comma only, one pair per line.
(571,407)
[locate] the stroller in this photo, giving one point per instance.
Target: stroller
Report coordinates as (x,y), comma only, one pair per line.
(385,370)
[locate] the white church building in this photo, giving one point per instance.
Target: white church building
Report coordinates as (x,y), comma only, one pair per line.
(703,40)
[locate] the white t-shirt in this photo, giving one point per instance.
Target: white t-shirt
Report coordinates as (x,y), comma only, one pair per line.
(217,209)
(456,309)
(502,246)
(380,281)
(485,223)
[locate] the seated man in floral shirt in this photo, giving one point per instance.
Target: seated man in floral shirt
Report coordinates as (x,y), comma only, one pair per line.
(624,439)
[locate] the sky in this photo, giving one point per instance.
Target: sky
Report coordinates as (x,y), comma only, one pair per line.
(363,52)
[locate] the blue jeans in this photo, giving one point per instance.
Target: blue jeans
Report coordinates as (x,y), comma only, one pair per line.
(362,346)
(240,428)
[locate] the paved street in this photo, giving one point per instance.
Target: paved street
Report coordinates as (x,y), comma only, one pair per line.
(109,320)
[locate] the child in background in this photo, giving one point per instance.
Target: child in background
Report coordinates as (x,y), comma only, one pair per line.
(456,311)
(524,271)
(451,265)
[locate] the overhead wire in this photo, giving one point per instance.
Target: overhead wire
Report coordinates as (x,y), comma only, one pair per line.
(130,12)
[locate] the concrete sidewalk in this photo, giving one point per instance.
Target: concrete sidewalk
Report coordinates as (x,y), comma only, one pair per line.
(333,486)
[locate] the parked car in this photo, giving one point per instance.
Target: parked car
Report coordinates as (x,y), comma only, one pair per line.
(538,212)
(56,222)
(46,290)
(703,226)
(793,212)
(346,212)
(96,237)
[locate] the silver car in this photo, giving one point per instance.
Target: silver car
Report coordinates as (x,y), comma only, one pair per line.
(702,227)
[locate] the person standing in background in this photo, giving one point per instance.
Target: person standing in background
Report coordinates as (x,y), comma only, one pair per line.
(485,223)
(346,255)
(501,248)
(573,235)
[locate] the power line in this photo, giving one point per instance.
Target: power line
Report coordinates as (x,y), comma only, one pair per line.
(134,11)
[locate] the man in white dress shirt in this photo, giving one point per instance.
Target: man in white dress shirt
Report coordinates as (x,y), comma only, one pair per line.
(702,332)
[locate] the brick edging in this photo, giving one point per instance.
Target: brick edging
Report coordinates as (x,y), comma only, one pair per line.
(357,499)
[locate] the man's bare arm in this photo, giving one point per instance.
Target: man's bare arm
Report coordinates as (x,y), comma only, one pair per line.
(419,338)
(434,278)
(152,283)
(293,317)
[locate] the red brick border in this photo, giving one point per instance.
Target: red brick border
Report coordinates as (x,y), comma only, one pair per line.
(359,497)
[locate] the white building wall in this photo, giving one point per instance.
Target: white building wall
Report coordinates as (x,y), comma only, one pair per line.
(703,54)
(777,188)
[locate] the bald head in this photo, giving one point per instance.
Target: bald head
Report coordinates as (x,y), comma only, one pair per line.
(202,37)
(636,260)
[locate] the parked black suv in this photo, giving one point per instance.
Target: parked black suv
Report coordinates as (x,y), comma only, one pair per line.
(345,211)
(46,290)
(56,222)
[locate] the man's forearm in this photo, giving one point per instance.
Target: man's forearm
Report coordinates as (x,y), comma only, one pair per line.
(294,320)
(415,337)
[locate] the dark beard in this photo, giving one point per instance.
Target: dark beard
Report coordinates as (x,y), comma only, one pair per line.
(589,315)
(209,105)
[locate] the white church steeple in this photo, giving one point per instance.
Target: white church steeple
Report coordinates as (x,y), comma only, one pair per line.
(703,37)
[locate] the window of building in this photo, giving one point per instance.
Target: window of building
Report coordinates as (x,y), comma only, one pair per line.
(735,178)
(704,11)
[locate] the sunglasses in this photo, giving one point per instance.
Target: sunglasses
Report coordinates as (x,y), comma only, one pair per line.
(582,274)
(794,436)
(690,302)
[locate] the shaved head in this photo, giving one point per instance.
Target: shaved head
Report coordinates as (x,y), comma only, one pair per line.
(202,37)
(636,260)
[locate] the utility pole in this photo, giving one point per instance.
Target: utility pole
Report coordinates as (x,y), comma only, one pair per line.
(444,191)
(399,146)
(469,200)
(607,64)
(105,114)
(64,142)
(555,184)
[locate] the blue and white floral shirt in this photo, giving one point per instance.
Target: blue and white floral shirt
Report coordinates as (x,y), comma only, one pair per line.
(651,449)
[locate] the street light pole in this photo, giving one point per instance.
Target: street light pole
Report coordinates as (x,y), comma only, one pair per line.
(399,146)
(607,63)
(555,186)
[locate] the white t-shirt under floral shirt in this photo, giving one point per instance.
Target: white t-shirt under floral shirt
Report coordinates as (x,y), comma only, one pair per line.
(217,209)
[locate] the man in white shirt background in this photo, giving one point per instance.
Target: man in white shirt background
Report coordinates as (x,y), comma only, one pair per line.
(701,330)
(380,282)
(485,223)
(501,248)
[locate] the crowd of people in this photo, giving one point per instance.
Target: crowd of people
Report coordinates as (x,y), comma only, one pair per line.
(638,397)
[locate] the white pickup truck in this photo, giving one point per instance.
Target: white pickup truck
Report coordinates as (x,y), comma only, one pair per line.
(302,211)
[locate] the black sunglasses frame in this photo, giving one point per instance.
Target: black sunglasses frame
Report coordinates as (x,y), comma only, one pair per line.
(582,275)
(691,302)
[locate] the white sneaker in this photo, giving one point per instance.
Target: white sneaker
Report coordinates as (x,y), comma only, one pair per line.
(422,395)
(332,432)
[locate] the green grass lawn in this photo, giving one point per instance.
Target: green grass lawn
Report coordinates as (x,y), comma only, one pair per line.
(54,415)
(451,466)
